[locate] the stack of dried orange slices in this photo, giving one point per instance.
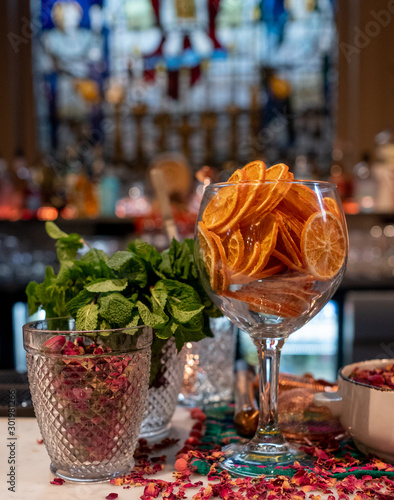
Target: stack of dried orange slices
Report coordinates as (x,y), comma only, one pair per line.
(251,231)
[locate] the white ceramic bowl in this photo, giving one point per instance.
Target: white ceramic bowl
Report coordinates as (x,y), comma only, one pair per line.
(366,412)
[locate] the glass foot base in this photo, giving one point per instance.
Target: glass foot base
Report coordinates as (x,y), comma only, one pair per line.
(95,474)
(155,434)
(243,460)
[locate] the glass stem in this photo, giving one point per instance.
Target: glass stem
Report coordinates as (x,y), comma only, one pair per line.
(268,433)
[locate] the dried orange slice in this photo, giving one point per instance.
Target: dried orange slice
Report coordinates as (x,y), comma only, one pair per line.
(221,208)
(210,253)
(221,265)
(278,172)
(332,206)
(267,234)
(274,266)
(293,225)
(286,261)
(255,171)
(323,245)
(270,195)
(237,176)
(301,202)
(278,305)
(267,198)
(307,195)
(234,247)
(251,257)
(283,305)
(283,286)
(287,244)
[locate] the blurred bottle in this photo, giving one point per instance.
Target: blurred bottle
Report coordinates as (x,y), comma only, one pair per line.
(46,179)
(342,180)
(383,172)
(109,192)
(20,174)
(7,192)
(364,185)
(91,198)
(302,168)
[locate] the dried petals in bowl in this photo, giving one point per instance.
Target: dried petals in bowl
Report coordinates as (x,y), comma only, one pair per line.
(376,377)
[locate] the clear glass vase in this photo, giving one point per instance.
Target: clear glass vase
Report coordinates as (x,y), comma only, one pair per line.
(209,368)
(89,391)
(163,398)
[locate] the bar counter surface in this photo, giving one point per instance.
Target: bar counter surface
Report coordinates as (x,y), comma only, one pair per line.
(33,475)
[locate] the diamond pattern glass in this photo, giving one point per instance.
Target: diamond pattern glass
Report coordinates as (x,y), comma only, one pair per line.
(209,367)
(89,409)
(162,400)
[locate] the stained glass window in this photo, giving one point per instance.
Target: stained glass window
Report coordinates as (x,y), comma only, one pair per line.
(220,80)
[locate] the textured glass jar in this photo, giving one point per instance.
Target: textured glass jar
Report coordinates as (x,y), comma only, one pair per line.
(209,367)
(162,400)
(89,392)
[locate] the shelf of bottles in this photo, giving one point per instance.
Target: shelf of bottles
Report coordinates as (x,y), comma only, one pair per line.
(120,83)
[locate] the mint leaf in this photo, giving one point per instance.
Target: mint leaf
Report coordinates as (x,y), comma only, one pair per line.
(119,260)
(104,325)
(67,248)
(191,335)
(179,340)
(156,365)
(183,261)
(196,324)
(183,335)
(82,299)
(130,267)
(146,252)
(116,309)
(104,285)
(87,317)
(159,294)
(53,231)
(156,319)
(183,302)
(33,301)
(95,255)
(135,320)
(51,296)
(168,331)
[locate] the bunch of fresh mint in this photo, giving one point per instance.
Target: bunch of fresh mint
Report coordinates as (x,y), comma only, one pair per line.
(138,286)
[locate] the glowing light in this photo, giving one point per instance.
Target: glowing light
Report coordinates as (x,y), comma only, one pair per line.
(134,192)
(389,231)
(120,211)
(69,212)
(376,232)
(367,202)
(47,213)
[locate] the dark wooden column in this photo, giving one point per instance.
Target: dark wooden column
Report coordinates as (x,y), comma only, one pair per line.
(17,109)
(366,74)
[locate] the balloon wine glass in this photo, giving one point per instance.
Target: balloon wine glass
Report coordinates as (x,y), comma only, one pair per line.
(271,251)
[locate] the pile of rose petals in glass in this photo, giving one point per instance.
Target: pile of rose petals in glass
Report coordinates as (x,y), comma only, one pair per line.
(383,378)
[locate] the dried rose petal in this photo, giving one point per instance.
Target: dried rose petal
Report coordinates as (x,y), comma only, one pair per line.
(151,491)
(54,344)
(58,481)
(378,377)
(112,496)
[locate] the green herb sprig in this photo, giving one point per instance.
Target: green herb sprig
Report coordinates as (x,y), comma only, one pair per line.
(137,286)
